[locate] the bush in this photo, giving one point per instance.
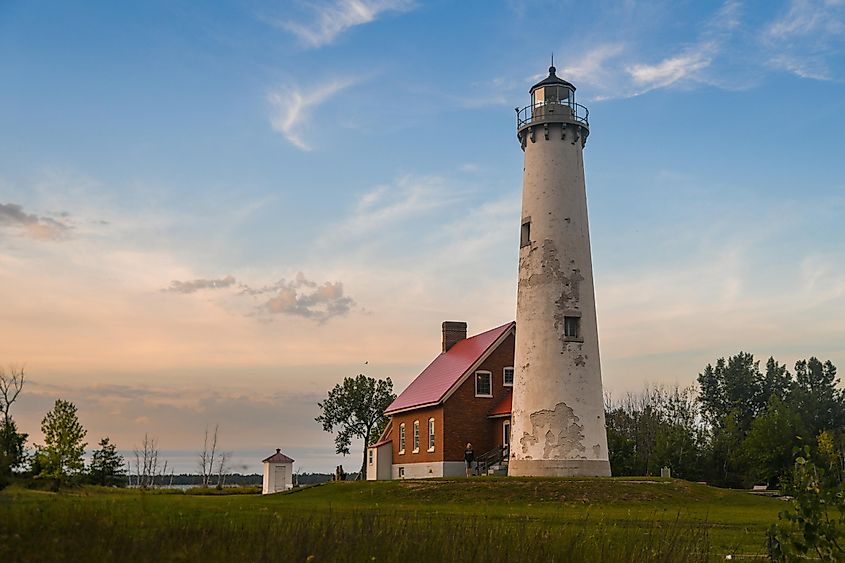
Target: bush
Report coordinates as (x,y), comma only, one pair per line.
(814,525)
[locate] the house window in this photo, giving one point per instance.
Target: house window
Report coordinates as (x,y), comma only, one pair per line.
(431,434)
(525,234)
(401,472)
(371,456)
(402,438)
(483,384)
(506,433)
(572,327)
(508,377)
(416,436)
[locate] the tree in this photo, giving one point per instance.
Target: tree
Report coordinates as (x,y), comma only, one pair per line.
(106,465)
(12,446)
(655,428)
(206,461)
(356,408)
(146,462)
(11,441)
(816,395)
(773,436)
(11,385)
(732,386)
(61,456)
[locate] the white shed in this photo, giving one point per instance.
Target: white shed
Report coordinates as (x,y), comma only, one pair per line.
(278,473)
(380,461)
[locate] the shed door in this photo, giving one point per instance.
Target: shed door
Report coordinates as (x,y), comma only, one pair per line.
(280,478)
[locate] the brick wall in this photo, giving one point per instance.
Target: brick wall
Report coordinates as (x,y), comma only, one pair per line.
(423,455)
(465,415)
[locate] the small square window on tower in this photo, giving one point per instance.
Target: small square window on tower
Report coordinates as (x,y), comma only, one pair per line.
(525,234)
(572,327)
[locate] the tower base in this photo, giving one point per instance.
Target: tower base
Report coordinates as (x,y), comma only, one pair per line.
(558,468)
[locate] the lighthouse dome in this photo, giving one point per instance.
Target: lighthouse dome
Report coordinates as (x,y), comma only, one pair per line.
(552,80)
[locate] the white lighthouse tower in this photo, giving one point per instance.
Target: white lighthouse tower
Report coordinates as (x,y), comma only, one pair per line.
(558,408)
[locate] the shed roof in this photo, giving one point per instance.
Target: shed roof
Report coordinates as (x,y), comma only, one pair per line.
(503,407)
(277,457)
(434,383)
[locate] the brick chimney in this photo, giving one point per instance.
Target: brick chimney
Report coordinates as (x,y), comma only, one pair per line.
(453,331)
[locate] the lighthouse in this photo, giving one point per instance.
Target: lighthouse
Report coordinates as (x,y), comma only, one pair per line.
(558,406)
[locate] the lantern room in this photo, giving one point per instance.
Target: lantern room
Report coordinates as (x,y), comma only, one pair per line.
(552,102)
(552,90)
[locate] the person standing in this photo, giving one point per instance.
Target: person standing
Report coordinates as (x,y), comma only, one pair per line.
(469,458)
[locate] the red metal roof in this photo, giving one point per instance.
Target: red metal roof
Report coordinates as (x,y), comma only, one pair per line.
(432,385)
(504,406)
(277,457)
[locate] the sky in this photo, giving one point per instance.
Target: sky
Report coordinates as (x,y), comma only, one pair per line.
(212,213)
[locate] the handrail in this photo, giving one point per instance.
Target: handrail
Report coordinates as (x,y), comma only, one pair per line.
(542,111)
(491,458)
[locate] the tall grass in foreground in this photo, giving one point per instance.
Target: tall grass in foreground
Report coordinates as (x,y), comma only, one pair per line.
(108,531)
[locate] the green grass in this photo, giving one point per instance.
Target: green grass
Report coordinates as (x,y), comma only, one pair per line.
(483,519)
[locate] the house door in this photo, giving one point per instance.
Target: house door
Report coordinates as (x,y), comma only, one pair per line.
(506,433)
(280,478)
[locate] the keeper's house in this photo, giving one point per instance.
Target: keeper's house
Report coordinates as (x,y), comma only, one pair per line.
(464,395)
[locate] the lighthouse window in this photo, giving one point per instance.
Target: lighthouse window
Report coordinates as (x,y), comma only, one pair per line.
(483,384)
(571,327)
(525,234)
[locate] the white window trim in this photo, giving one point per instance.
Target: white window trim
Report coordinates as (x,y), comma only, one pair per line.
(490,378)
(513,374)
(416,437)
(506,426)
(402,438)
(430,435)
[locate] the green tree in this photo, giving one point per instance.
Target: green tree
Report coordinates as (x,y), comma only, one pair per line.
(656,428)
(12,445)
(61,455)
(773,436)
(816,395)
(356,408)
(106,465)
(733,386)
(733,393)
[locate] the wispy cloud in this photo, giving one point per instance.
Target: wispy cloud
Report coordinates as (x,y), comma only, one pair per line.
(292,107)
(330,19)
(408,197)
(672,69)
(593,67)
(192,286)
(28,224)
(808,17)
(804,37)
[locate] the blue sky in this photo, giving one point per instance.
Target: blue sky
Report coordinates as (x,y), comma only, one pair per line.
(211,214)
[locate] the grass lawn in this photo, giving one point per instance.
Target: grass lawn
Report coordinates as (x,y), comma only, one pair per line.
(481,519)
